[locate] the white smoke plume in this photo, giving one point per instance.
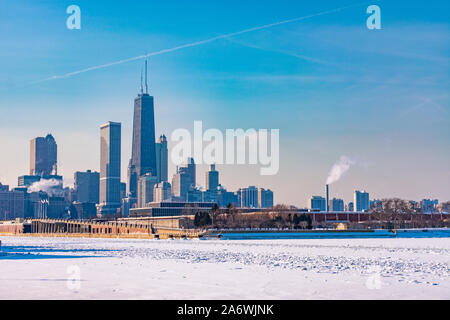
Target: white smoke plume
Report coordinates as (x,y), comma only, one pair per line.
(52,187)
(339,168)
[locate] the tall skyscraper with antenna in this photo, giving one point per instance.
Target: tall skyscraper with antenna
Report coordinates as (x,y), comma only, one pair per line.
(143,156)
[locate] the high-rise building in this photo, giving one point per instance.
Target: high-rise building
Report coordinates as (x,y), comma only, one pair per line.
(184,179)
(317,203)
(123,190)
(249,197)
(212,178)
(194,195)
(162,192)
(265,198)
(82,210)
(146,184)
(110,141)
(11,204)
(26,180)
(87,186)
(143,156)
(162,158)
(43,156)
(225,198)
(349,207)
(361,201)
(336,205)
(210,196)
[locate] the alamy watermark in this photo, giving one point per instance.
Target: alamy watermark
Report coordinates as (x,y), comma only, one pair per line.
(74,278)
(374,20)
(74,20)
(373,282)
(237,146)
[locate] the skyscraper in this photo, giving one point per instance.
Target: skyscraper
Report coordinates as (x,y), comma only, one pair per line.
(249,197)
(87,186)
(11,204)
(161,158)
(146,184)
(184,179)
(212,178)
(143,156)
(361,201)
(336,205)
(224,198)
(110,141)
(162,192)
(317,203)
(265,198)
(43,156)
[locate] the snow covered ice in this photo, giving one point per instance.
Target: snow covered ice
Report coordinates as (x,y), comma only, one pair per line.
(83,268)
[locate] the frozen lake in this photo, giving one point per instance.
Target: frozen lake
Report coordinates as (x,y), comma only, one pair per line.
(355,268)
(323,234)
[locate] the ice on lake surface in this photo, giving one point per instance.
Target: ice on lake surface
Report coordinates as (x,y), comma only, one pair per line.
(404,267)
(323,234)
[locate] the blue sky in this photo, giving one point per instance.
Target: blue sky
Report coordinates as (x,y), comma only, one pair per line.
(329,84)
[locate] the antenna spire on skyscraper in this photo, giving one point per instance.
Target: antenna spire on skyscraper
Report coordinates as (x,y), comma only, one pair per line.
(146,84)
(142,86)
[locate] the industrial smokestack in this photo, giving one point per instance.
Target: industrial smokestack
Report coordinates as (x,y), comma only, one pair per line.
(328,199)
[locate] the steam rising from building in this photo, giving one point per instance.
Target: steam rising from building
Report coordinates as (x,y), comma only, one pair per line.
(53,187)
(339,168)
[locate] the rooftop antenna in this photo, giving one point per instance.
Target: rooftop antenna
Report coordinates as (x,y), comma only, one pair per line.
(142,88)
(146,84)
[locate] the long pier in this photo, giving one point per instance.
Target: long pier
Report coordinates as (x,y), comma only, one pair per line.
(138,228)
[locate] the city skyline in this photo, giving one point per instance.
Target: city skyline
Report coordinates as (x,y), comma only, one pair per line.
(388,110)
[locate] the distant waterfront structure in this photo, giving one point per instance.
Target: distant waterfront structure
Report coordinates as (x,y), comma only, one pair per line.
(350,207)
(225,198)
(249,197)
(162,158)
(212,178)
(43,156)
(336,205)
(184,180)
(379,204)
(162,192)
(317,203)
(428,205)
(11,204)
(265,198)
(146,185)
(143,157)
(164,209)
(361,201)
(87,186)
(110,145)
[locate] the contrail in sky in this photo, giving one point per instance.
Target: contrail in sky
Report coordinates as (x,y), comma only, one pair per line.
(197,43)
